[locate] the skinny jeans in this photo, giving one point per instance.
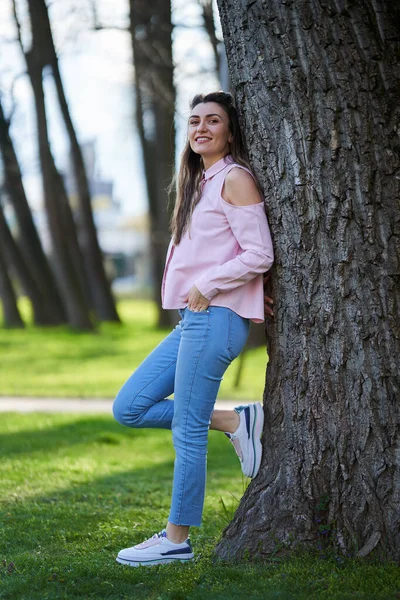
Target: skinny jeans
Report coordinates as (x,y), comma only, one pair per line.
(190,363)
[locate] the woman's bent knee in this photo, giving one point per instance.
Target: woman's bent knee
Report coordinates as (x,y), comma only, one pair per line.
(119,409)
(124,410)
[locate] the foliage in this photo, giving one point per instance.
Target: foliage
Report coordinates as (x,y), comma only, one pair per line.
(60,362)
(75,489)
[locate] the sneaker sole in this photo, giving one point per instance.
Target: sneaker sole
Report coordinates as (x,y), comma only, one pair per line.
(257,426)
(150,563)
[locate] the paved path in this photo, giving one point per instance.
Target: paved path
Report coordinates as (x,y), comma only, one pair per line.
(75,405)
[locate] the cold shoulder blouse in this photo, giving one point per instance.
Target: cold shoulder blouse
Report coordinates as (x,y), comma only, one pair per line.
(224,253)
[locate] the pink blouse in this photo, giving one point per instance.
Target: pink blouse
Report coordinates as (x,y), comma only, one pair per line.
(224,252)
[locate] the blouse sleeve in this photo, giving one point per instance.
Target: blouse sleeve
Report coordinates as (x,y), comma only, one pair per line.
(250,227)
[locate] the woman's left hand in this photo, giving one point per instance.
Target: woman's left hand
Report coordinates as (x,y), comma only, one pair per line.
(196,301)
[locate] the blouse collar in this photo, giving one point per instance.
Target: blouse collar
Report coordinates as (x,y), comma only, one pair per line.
(218,166)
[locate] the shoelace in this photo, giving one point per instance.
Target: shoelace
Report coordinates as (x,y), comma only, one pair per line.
(161,534)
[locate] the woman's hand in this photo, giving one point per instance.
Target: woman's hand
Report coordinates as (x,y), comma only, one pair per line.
(268,302)
(196,301)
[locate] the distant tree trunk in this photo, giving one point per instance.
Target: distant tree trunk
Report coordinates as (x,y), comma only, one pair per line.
(317,87)
(51,306)
(207,7)
(13,257)
(151,33)
(11,316)
(99,286)
(67,255)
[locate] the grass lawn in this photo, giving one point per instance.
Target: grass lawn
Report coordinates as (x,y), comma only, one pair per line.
(58,362)
(76,489)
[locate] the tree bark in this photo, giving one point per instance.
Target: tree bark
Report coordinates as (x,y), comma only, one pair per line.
(151,34)
(99,286)
(50,309)
(316,84)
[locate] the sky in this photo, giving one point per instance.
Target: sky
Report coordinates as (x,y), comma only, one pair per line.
(97,72)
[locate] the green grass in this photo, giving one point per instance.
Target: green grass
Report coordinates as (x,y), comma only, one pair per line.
(59,362)
(76,489)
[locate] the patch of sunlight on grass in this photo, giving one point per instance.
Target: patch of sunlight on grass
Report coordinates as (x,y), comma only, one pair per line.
(76,489)
(59,362)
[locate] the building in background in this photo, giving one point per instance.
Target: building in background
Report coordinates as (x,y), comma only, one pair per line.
(124,240)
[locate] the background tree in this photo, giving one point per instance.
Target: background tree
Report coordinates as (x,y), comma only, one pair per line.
(66,252)
(11,314)
(316,84)
(34,271)
(16,264)
(207,8)
(151,35)
(99,286)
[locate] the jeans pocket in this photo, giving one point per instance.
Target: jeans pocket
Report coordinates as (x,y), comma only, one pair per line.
(198,312)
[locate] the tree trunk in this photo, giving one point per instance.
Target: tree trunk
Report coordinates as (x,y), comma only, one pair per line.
(100,289)
(67,255)
(151,34)
(52,311)
(317,87)
(13,257)
(207,8)
(11,316)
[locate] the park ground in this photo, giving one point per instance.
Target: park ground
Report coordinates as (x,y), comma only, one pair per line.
(76,488)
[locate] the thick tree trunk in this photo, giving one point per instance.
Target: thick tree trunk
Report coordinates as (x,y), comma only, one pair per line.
(50,308)
(151,33)
(317,87)
(99,286)
(11,316)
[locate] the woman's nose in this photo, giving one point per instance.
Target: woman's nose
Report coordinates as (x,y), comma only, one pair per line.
(201,126)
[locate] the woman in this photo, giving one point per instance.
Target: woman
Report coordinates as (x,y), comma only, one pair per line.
(219,250)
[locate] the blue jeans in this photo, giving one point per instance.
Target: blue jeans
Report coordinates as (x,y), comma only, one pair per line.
(189,362)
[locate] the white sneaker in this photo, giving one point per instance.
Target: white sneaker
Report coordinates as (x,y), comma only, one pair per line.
(246,439)
(157,550)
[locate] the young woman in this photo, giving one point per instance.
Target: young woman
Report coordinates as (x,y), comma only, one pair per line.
(219,250)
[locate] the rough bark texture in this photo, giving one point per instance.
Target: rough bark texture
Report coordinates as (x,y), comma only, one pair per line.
(49,306)
(316,83)
(151,34)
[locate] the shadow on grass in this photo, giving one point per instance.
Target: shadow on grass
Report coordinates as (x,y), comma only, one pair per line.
(63,543)
(86,430)
(74,430)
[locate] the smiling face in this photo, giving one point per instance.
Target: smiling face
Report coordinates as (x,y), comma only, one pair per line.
(209,133)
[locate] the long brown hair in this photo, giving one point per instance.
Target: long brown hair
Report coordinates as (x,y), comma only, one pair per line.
(187,183)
